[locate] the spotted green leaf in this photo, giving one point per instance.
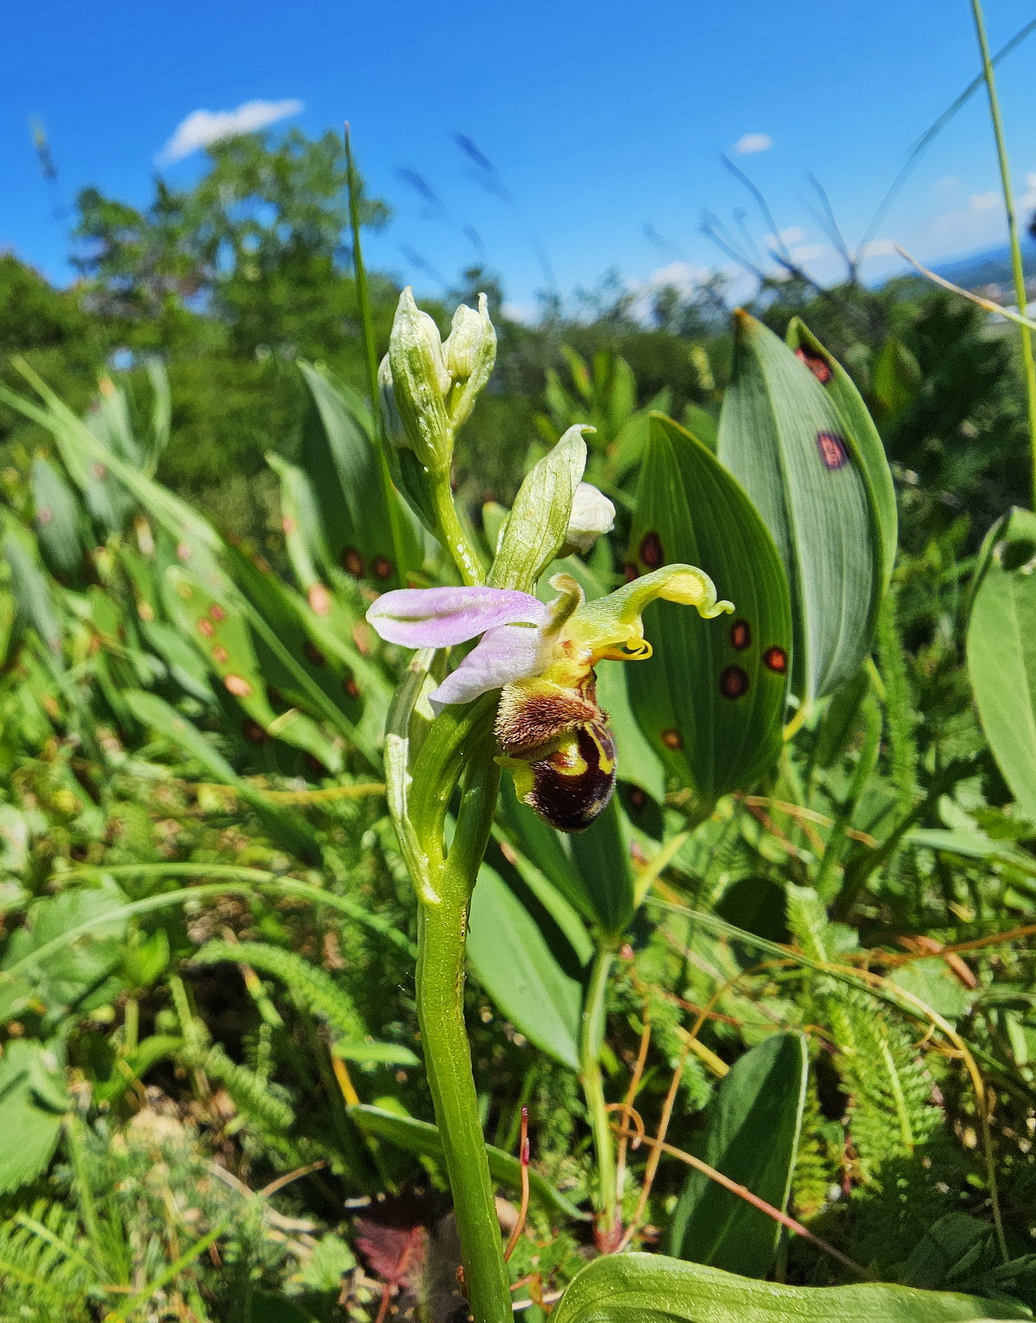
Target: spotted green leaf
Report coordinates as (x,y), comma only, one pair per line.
(841,389)
(711,700)
(365,526)
(786,441)
(59,521)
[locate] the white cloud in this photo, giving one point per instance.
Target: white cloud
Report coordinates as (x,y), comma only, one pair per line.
(201,128)
(984,201)
(880,248)
(749,143)
(520,312)
(809,252)
(685,277)
(1028,198)
(789,236)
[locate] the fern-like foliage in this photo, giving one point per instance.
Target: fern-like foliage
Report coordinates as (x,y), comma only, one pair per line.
(253,1095)
(44,1275)
(314,987)
(884,1076)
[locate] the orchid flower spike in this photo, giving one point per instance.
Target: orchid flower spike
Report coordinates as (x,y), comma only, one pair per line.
(551,731)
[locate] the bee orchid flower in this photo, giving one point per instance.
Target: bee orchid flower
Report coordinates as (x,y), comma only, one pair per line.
(550,728)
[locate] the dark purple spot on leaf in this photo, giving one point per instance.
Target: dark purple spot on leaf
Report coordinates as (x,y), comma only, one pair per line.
(631,571)
(733,682)
(352,562)
(832,450)
(740,635)
(672,739)
(776,659)
(382,568)
(314,654)
(651,550)
(820,367)
(351,687)
(253,732)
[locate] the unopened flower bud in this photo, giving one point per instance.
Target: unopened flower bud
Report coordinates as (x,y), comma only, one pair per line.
(469,352)
(394,429)
(592,516)
(420,383)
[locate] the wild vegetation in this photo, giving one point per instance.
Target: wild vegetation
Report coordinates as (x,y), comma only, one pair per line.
(794,949)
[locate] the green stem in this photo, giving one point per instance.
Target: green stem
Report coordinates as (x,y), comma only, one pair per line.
(452,531)
(440,1008)
(1018,270)
(591,1040)
(131,1026)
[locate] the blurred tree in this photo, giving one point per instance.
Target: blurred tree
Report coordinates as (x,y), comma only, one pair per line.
(49,328)
(258,244)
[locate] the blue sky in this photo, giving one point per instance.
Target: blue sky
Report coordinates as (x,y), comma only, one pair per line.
(606,122)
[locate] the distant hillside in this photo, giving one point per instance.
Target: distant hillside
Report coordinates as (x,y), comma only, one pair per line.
(987,266)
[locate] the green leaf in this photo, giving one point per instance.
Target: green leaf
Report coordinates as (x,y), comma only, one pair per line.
(788,444)
(33,595)
(59,522)
(601,856)
(516,960)
(535,530)
(841,390)
(291,830)
(638,764)
(752,1137)
(896,378)
(362,518)
(649,1288)
(73,977)
(31,1081)
(1002,651)
(269,1308)
(712,698)
(423,1138)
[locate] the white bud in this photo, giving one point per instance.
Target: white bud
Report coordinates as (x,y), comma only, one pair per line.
(420,382)
(461,346)
(592,516)
(469,353)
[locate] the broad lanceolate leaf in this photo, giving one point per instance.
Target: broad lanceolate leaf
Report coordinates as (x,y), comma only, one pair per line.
(1002,651)
(30,587)
(859,425)
(535,530)
(752,1137)
(649,1288)
(527,968)
(788,444)
(60,523)
(712,698)
(366,528)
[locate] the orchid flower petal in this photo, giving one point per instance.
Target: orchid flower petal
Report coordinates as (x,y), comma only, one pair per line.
(439,617)
(510,652)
